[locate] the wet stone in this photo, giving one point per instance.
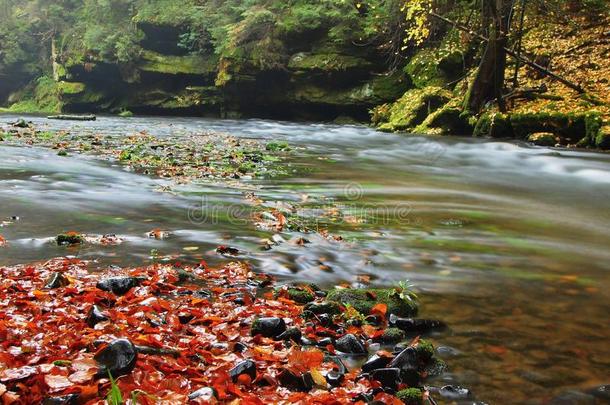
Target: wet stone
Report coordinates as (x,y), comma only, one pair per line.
(325,342)
(295,382)
(388,377)
(350,344)
(204,394)
(375,362)
(416,325)
(406,360)
(56,280)
(71,399)
(203,294)
(334,378)
(247,367)
(268,327)
(118,285)
(95,316)
(239,347)
(118,358)
(455,392)
(293,334)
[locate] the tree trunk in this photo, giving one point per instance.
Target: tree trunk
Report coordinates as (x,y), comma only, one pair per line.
(489,80)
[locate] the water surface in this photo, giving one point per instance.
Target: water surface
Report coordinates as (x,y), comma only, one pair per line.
(508,243)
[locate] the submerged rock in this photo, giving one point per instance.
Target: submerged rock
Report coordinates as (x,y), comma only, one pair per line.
(388,377)
(118,285)
(363,300)
(247,367)
(268,327)
(374,362)
(119,358)
(455,392)
(350,344)
(416,325)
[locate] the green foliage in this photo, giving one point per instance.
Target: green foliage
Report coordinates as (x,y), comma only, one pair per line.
(114,396)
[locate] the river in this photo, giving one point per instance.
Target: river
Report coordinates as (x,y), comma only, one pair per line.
(505,242)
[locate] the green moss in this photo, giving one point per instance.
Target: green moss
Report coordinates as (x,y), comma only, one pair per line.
(425,350)
(602,140)
(411,109)
(437,66)
(297,294)
(70,87)
(327,62)
(275,146)
(495,125)
(542,139)
(448,120)
(392,335)
(69,239)
(363,300)
(570,127)
(411,396)
(169,64)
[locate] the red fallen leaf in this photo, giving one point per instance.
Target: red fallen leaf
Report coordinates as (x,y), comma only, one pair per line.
(379,309)
(244,379)
(304,360)
(20,373)
(499,350)
(57,382)
(2,241)
(2,389)
(9,398)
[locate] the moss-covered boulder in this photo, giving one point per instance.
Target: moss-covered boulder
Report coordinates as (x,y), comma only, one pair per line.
(570,128)
(392,335)
(298,294)
(411,109)
(70,238)
(364,299)
(602,140)
(447,120)
(435,67)
(411,396)
(327,62)
(494,125)
(542,139)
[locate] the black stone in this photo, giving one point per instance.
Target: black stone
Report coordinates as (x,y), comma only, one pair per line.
(318,308)
(373,320)
(375,362)
(268,327)
(118,285)
(95,316)
(334,378)
(185,317)
(350,344)
(325,342)
(406,360)
(56,280)
(247,367)
(325,320)
(239,347)
(416,325)
(203,294)
(70,399)
(388,377)
(293,334)
(118,358)
(455,392)
(294,382)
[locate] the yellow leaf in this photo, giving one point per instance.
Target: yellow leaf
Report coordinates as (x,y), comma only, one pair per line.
(318,378)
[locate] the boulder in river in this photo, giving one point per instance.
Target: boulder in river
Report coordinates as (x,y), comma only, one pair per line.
(268,327)
(117,358)
(364,299)
(118,285)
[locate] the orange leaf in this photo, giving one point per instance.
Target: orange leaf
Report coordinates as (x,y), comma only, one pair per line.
(380,309)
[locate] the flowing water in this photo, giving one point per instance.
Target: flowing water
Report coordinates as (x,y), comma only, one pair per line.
(507,243)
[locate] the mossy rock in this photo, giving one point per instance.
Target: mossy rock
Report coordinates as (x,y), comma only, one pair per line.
(542,139)
(435,367)
(571,127)
(70,238)
(431,67)
(297,294)
(173,65)
(447,120)
(411,109)
(392,335)
(602,140)
(425,350)
(494,125)
(327,62)
(326,307)
(364,299)
(411,396)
